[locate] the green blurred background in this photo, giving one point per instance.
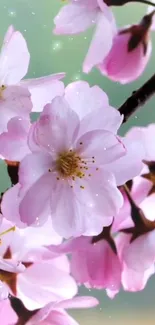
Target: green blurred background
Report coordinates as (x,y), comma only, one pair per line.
(50,54)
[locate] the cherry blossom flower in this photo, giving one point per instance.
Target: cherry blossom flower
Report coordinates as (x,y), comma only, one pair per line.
(42,277)
(133,280)
(135,245)
(135,46)
(14,62)
(91,114)
(143,245)
(78,16)
(54,313)
(69,173)
(101,268)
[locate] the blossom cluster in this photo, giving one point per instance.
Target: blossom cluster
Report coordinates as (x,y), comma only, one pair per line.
(79,189)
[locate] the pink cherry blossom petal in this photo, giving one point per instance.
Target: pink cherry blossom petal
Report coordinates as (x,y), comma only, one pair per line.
(34,207)
(148,207)
(57,317)
(144,248)
(78,302)
(7,314)
(42,236)
(15,102)
(8,36)
(130,164)
(34,166)
(11,266)
(135,281)
(3,295)
(102,145)
(110,119)
(13,143)
(57,120)
(72,215)
(10,205)
(74,18)
(44,89)
(73,209)
(54,284)
(14,59)
(147,134)
(84,99)
(102,39)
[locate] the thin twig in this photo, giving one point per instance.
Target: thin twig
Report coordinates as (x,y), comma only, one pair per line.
(138,98)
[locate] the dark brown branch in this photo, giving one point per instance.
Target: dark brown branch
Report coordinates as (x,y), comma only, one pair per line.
(23,314)
(106,235)
(12,168)
(123,2)
(138,98)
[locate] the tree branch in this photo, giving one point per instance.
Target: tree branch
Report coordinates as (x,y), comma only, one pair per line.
(138,98)
(12,168)
(123,2)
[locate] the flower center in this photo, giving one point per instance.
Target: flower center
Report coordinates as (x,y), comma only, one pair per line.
(70,165)
(67,164)
(2,88)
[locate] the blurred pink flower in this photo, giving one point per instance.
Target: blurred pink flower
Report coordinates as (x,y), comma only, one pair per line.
(147,135)
(78,16)
(135,279)
(14,62)
(144,244)
(136,246)
(101,268)
(139,191)
(43,276)
(54,313)
(129,54)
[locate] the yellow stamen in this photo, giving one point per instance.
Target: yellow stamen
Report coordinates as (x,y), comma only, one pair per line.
(2,88)
(8,230)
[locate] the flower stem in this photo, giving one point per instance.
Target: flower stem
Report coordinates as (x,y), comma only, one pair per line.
(137,99)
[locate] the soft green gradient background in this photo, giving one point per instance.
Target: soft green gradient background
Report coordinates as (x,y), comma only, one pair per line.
(49,54)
